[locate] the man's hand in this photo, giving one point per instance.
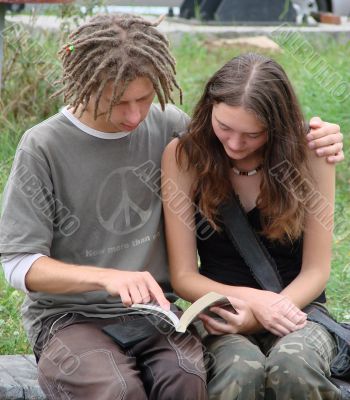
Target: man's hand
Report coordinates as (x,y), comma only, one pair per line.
(134,287)
(326,139)
(277,313)
(242,322)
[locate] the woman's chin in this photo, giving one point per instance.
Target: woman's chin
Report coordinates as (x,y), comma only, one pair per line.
(236,155)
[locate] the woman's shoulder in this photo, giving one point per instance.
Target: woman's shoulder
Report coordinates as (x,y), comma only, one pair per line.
(175,165)
(169,154)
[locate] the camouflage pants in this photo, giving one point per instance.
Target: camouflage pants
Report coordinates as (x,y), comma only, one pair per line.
(263,366)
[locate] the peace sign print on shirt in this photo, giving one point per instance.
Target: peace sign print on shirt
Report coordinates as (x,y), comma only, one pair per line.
(124,203)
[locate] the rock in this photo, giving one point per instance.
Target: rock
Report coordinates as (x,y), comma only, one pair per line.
(18,378)
(262,42)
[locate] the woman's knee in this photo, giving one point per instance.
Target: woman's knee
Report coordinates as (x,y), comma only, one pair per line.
(298,365)
(295,354)
(223,352)
(242,380)
(236,370)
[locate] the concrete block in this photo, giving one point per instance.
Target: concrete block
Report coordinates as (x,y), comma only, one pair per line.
(18,378)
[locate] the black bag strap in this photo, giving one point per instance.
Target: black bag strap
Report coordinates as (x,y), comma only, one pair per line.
(245,240)
(262,265)
(316,314)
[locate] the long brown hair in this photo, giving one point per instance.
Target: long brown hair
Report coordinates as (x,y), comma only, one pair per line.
(259,85)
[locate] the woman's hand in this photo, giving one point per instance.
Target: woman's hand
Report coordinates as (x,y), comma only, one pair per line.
(243,321)
(277,313)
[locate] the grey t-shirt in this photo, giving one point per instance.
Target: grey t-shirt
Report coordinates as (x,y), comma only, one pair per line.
(88,201)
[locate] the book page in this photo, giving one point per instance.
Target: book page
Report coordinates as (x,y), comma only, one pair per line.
(201,305)
(209,299)
(157,310)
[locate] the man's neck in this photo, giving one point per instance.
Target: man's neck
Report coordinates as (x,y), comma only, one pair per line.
(87,118)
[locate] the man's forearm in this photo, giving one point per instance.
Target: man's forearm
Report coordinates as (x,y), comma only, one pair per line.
(52,276)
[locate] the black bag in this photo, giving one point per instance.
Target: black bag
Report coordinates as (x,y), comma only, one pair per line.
(264,270)
(130,333)
(340,366)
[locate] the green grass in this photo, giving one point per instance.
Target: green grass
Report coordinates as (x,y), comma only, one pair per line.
(25,101)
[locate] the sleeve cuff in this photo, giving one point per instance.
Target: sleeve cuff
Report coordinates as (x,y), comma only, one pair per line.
(16,266)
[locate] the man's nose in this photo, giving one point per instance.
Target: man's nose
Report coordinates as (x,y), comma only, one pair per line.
(133,114)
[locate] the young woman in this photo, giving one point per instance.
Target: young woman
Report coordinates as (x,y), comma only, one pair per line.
(248,137)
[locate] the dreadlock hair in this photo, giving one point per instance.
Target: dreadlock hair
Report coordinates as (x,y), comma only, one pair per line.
(116,48)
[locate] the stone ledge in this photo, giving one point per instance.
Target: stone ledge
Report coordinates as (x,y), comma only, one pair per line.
(18,378)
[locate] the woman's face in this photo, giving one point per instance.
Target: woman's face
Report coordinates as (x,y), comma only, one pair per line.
(240,132)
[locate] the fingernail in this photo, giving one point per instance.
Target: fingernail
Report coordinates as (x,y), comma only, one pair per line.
(312,145)
(320,152)
(166,306)
(309,136)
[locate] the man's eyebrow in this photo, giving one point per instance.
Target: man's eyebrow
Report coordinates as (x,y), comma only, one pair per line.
(108,99)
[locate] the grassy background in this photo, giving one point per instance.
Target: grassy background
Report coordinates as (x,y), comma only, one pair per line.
(31,67)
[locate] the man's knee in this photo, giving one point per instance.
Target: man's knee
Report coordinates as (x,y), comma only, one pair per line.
(177,376)
(95,375)
(179,383)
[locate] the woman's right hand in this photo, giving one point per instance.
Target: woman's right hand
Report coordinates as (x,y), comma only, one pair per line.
(240,319)
(276,313)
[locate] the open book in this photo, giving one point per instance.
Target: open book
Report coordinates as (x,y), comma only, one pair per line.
(202,305)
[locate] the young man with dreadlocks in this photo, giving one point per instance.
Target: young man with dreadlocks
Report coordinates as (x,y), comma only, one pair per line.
(82,234)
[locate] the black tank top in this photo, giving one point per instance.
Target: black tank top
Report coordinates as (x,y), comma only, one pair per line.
(220,261)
